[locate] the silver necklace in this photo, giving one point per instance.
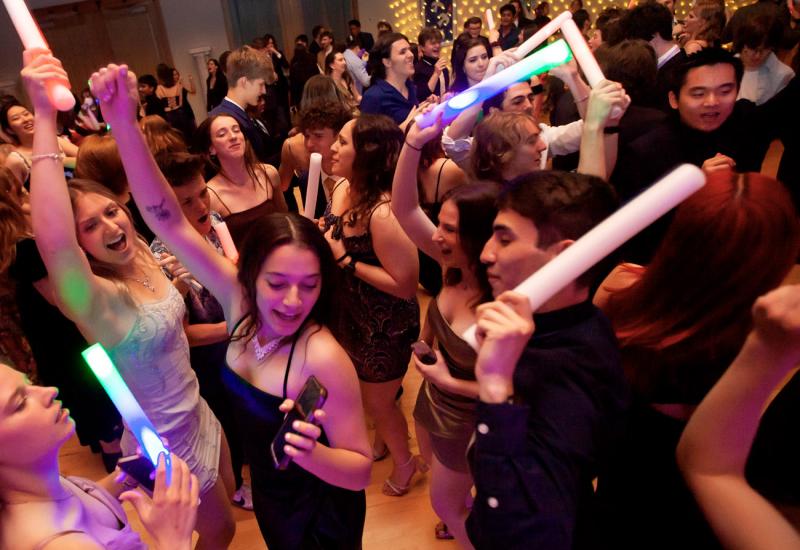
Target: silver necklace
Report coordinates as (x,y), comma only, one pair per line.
(264,351)
(146,282)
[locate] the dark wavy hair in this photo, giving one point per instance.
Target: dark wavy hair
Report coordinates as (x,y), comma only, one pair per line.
(6,106)
(383,50)
(165,75)
(377,141)
(264,236)
(459,56)
(477,207)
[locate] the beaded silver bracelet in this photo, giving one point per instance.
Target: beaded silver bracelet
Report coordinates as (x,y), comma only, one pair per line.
(52,156)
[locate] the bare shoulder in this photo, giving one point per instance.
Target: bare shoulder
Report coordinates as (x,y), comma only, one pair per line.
(323,353)
(272,174)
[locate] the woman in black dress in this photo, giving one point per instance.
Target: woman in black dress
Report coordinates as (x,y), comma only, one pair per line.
(378,318)
(216,85)
(276,303)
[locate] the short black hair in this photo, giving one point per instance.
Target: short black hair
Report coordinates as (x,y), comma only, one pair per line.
(316,30)
(703,58)
(354,23)
(646,20)
(755,32)
(508,7)
(148,80)
(180,168)
(301,38)
(382,50)
(472,20)
(327,33)
(562,205)
(580,17)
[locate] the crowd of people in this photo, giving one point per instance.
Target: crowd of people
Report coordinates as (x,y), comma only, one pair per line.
(647,404)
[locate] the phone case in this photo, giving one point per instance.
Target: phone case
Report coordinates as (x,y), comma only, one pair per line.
(311,397)
(139,468)
(424,352)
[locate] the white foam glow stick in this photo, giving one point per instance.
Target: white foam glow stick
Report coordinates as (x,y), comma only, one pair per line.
(545,59)
(583,55)
(489,19)
(60,96)
(541,35)
(606,237)
(226,241)
(312,187)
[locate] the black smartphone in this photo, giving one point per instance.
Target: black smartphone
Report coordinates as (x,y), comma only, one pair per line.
(139,468)
(311,397)
(423,352)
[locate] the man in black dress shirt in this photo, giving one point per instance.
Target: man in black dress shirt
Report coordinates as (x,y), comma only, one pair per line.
(509,33)
(551,404)
(430,73)
(249,72)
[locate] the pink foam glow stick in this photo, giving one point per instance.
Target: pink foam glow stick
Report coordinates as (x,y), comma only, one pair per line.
(226,241)
(60,96)
(606,237)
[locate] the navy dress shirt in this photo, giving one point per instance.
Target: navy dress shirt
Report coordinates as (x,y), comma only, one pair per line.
(533,461)
(383,99)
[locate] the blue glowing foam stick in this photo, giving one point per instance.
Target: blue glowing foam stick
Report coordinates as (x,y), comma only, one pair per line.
(130,410)
(545,59)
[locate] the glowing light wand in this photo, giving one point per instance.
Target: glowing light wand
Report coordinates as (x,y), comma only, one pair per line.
(606,237)
(542,61)
(130,410)
(312,186)
(27,29)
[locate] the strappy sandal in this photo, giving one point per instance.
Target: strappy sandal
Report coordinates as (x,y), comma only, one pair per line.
(391,489)
(442,533)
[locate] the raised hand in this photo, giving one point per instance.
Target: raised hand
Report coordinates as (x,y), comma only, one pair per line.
(718,162)
(417,137)
(170,515)
(116,88)
(776,322)
(40,67)
(602,101)
(504,328)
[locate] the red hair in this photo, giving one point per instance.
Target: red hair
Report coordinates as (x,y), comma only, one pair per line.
(732,241)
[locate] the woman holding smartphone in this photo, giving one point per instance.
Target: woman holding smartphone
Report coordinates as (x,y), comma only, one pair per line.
(276,305)
(445,410)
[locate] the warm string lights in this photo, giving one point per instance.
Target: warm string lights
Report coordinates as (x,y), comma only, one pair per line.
(409,15)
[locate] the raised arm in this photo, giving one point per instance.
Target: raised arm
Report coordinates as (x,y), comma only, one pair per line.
(405,195)
(568,73)
(79,292)
(602,99)
(116,88)
(713,450)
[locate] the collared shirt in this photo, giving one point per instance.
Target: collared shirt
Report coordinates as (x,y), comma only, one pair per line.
(423,71)
(509,40)
(358,70)
(533,461)
(384,99)
(759,85)
(666,56)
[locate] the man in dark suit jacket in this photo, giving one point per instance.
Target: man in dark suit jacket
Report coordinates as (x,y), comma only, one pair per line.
(367,41)
(249,72)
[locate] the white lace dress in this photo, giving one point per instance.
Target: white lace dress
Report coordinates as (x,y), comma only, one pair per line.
(153,359)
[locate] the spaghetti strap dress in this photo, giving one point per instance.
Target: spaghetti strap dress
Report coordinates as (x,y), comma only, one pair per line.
(294,508)
(239,222)
(374,327)
(122,538)
(430,272)
(153,359)
(449,418)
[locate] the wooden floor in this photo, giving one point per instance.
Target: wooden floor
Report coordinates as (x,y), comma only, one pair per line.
(403,523)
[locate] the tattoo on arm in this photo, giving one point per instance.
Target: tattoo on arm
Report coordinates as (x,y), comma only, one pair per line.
(159,211)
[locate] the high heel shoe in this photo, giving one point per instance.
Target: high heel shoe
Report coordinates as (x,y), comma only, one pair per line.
(391,489)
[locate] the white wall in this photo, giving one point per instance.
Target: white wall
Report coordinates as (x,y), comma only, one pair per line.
(189,24)
(372,11)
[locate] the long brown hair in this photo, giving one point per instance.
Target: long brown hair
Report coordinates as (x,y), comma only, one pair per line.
(377,141)
(732,241)
(202,145)
(13,224)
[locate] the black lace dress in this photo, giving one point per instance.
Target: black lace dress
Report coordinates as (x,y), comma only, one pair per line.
(375,328)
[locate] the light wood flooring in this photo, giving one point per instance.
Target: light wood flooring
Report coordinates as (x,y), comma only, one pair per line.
(399,523)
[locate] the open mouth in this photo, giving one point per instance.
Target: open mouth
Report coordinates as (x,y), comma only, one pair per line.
(28,126)
(289,318)
(119,243)
(202,219)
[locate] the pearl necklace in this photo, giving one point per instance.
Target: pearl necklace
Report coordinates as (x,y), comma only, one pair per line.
(263,351)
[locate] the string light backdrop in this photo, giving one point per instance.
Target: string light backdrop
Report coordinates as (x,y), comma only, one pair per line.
(410,14)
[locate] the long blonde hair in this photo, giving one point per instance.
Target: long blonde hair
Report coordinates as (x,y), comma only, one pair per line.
(79,187)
